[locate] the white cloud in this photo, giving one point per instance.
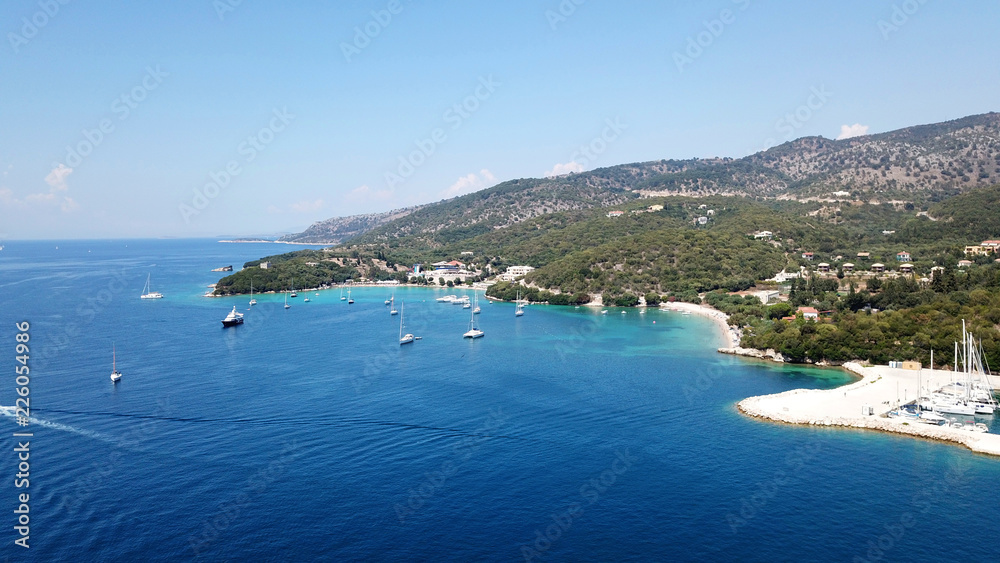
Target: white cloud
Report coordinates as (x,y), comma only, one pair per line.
(470,183)
(364,193)
(306,206)
(848,131)
(57,178)
(565,168)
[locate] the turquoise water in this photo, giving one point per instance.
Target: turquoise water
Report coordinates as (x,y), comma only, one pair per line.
(563,435)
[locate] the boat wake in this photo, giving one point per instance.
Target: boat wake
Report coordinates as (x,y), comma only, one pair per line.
(8,411)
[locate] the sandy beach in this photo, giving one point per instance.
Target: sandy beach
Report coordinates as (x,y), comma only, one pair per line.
(731,334)
(882,389)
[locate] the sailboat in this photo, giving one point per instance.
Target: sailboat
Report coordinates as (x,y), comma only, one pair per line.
(475,308)
(407,338)
(252,300)
(349,300)
(286,301)
(293,290)
(393,311)
(519,310)
(147,294)
(389,300)
(473,331)
(342,298)
(115,374)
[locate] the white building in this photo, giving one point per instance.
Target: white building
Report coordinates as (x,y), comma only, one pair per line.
(265,265)
(514,272)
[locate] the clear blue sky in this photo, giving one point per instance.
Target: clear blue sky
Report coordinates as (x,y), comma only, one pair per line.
(198,85)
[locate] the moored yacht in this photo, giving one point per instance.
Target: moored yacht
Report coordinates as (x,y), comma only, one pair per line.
(233,318)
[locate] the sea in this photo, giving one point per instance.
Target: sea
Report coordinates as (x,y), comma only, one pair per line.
(309,433)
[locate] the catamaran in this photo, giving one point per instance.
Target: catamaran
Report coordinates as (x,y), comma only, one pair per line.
(147,294)
(115,374)
(407,338)
(233,318)
(473,331)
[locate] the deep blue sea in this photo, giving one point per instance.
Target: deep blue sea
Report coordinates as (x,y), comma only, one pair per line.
(310,434)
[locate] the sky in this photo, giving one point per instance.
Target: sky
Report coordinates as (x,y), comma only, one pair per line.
(196,118)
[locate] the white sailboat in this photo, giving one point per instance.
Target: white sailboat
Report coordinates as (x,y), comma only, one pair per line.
(342,298)
(475,309)
(349,300)
(147,294)
(115,374)
(286,301)
(252,300)
(519,310)
(407,338)
(473,331)
(293,290)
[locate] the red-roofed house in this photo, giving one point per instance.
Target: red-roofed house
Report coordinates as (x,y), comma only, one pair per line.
(903,257)
(807,255)
(808,313)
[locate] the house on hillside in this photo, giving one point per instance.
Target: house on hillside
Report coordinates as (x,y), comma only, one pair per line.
(848,267)
(766,235)
(808,313)
(655,208)
(906,268)
(903,257)
(975,250)
(878,267)
(964,263)
(807,255)
(702,220)
(615,213)
(823,267)
(265,265)
(991,246)
(864,255)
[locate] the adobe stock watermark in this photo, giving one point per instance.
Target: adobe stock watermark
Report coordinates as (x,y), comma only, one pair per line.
(229,511)
(754,505)
(455,116)
(122,108)
(590,492)
(791,122)
(249,150)
(223,7)
(714,28)
(921,502)
(899,17)
(462,451)
(562,13)
(588,153)
(48,9)
(365,34)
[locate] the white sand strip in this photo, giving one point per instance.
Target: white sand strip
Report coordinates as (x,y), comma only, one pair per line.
(732,335)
